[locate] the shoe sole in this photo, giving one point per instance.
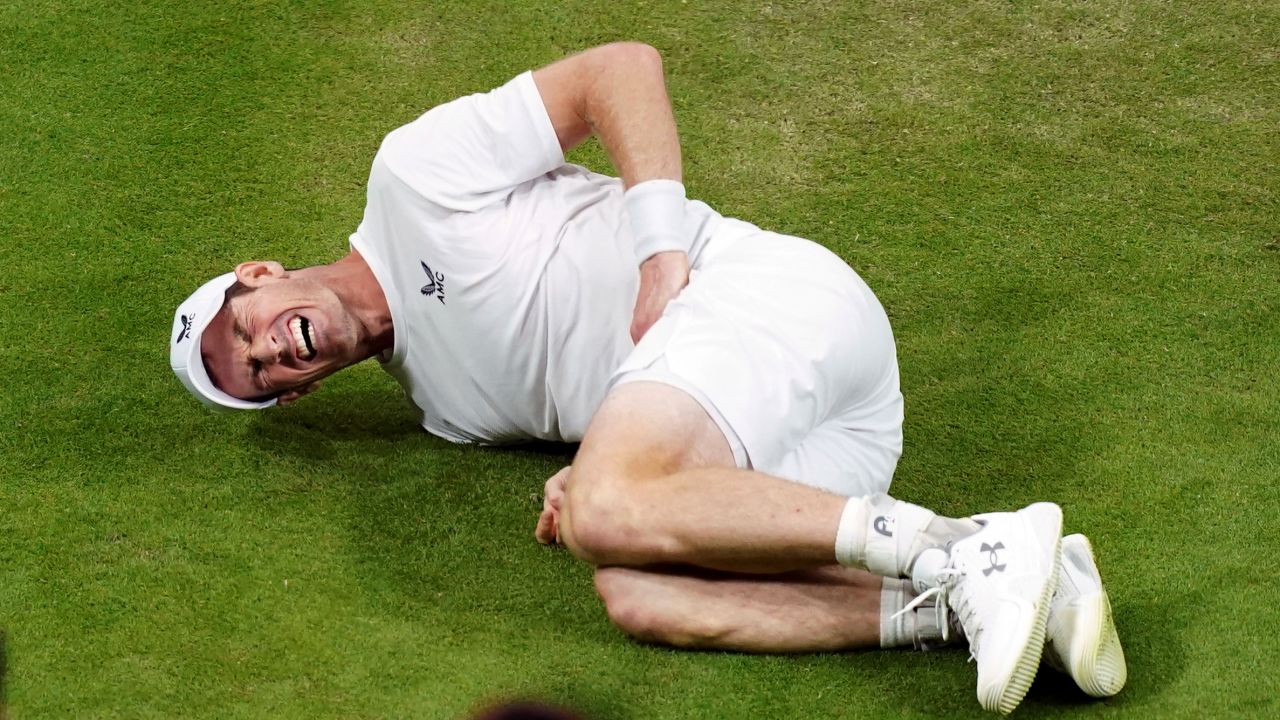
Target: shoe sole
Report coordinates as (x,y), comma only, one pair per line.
(1007,697)
(1095,657)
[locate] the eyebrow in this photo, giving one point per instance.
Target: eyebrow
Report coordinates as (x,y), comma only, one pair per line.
(236,328)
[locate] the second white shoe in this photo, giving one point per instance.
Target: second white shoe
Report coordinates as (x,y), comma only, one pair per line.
(1082,637)
(1000,581)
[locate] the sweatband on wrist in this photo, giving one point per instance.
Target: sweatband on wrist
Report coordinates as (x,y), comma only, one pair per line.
(656,210)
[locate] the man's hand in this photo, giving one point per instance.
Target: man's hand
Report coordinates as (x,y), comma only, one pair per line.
(662,277)
(548,530)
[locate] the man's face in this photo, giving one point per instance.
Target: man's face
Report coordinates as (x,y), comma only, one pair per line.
(277,337)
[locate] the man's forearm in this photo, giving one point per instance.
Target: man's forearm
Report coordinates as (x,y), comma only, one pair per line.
(618,93)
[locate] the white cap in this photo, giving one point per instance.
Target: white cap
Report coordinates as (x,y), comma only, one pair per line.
(193,316)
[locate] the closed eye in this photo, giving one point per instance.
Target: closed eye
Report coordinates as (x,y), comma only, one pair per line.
(255,365)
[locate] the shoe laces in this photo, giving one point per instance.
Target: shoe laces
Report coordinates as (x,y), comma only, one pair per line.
(967,610)
(944,581)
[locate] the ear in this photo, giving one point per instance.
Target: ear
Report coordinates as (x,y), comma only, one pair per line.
(291,396)
(257,273)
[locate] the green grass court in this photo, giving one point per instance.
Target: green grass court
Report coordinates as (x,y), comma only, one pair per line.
(1069,209)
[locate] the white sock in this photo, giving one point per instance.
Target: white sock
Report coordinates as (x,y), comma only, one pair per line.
(897,631)
(885,535)
(921,628)
(876,533)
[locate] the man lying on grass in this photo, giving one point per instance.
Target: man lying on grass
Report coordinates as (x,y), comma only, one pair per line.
(736,444)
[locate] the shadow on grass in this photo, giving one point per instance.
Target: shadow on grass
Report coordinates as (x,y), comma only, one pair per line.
(436,527)
(314,426)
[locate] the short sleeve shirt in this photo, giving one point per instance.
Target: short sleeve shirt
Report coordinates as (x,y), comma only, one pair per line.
(511,275)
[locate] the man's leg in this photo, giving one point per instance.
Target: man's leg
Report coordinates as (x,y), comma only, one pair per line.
(826,608)
(830,608)
(654,482)
(822,609)
(643,491)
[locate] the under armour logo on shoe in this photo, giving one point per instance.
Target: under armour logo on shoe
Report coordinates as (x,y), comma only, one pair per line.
(435,283)
(884,525)
(185,332)
(996,565)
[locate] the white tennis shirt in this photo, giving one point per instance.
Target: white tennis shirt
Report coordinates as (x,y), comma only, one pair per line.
(511,276)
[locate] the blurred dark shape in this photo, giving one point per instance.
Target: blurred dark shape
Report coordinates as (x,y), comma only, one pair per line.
(526,710)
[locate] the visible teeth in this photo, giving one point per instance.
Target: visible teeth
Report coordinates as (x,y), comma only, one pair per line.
(308,336)
(300,338)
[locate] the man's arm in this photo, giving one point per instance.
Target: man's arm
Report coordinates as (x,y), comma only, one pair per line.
(617,92)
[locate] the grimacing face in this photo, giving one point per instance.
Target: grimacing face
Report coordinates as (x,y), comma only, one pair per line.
(277,334)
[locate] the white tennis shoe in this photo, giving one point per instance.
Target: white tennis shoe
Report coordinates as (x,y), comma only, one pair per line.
(999,581)
(1082,637)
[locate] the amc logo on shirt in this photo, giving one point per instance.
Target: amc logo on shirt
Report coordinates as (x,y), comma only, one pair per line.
(435,283)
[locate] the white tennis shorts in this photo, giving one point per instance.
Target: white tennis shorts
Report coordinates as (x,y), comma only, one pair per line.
(790,353)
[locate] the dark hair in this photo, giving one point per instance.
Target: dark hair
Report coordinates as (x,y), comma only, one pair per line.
(236,289)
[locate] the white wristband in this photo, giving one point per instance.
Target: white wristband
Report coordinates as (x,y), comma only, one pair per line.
(656,210)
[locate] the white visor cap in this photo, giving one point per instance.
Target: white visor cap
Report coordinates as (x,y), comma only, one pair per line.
(193,316)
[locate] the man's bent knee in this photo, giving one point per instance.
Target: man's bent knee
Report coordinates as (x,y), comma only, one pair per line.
(603,518)
(616,500)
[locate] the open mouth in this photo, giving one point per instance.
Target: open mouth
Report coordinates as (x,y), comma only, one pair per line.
(301,329)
